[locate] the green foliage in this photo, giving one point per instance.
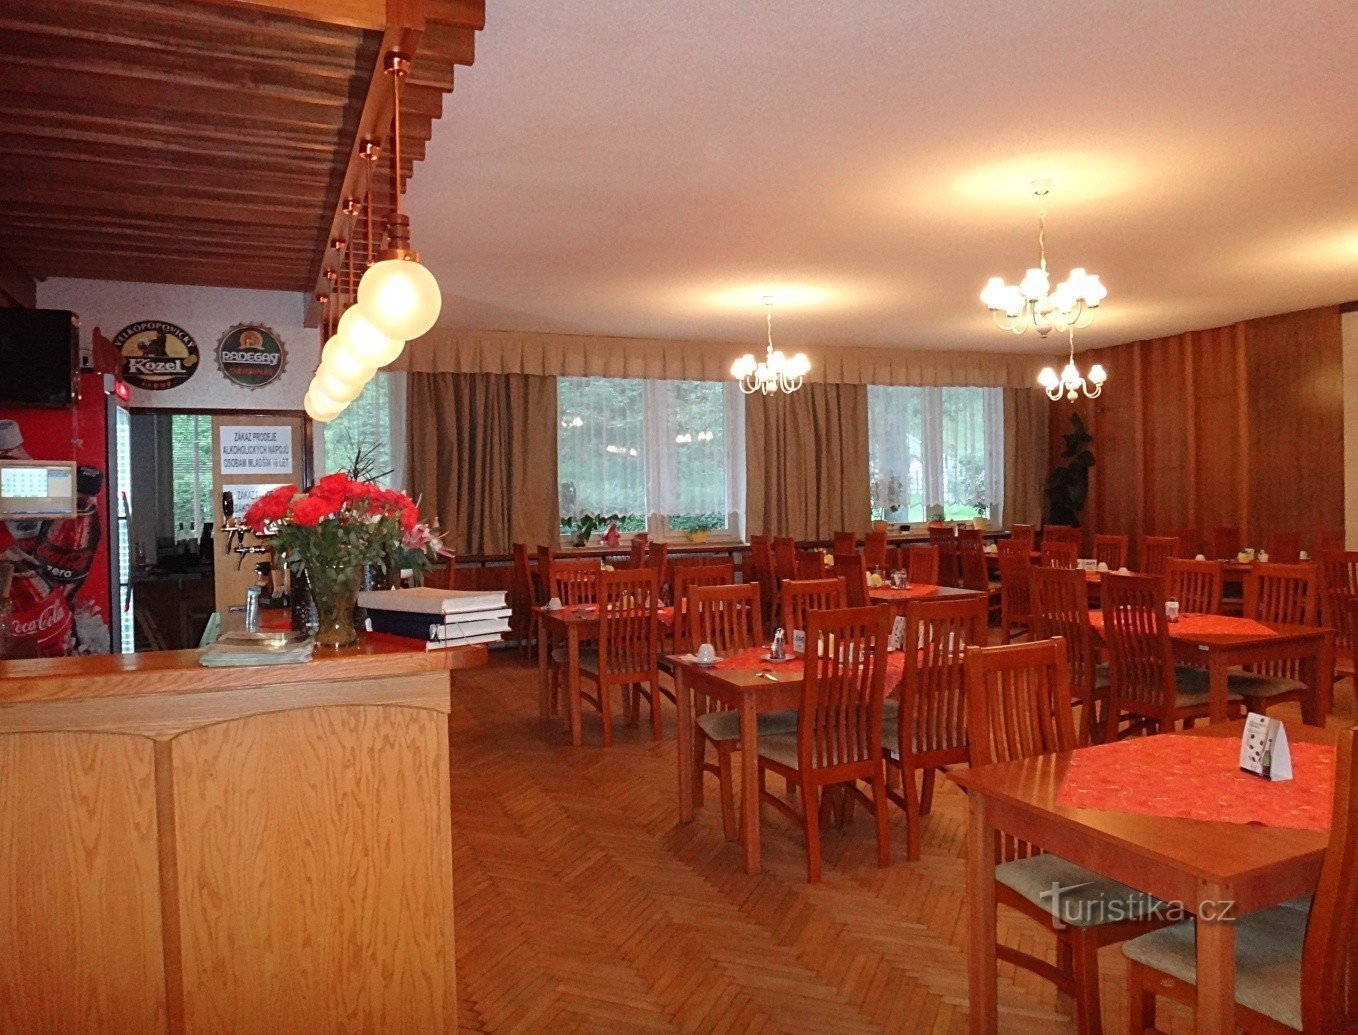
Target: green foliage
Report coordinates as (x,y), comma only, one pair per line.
(1068,484)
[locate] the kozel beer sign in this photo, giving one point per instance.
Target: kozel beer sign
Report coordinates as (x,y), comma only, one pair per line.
(156,355)
(251,355)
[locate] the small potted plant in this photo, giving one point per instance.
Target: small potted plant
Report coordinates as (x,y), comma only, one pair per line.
(702,526)
(981,520)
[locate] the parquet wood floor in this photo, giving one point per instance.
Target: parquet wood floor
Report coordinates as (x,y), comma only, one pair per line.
(583,904)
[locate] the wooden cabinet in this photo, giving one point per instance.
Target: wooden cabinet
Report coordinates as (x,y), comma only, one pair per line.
(241,850)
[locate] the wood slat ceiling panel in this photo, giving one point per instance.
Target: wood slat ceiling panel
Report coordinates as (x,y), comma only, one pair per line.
(197,142)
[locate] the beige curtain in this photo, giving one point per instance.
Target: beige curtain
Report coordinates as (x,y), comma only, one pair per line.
(482,457)
(807,461)
(1025,454)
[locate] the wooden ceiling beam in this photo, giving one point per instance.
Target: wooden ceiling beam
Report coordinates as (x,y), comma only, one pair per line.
(194,20)
(356,14)
(110,152)
(212,274)
(17,286)
(99,204)
(465,14)
(134,176)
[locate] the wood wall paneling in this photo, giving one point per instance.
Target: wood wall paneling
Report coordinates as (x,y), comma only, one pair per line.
(1232,426)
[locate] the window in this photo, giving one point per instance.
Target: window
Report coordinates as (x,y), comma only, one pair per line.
(190,473)
(364,426)
(667,454)
(935,452)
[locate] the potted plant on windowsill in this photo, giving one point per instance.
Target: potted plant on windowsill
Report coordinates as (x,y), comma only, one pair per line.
(981,520)
(702,526)
(583,526)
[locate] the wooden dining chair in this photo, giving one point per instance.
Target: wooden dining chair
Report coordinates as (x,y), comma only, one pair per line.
(811,565)
(1188,542)
(657,558)
(636,556)
(1060,608)
(845,543)
(838,737)
(1016,605)
(1060,553)
(874,550)
(1225,542)
(943,538)
(1111,550)
(784,558)
(921,565)
(972,558)
(576,582)
(523,596)
(1339,577)
(1146,686)
(765,573)
(546,584)
(1019,706)
(1285,593)
(1330,541)
(1283,547)
(628,650)
(1294,967)
(1196,585)
(1156,550)
(854,572)
(801,598)
(729,618)
(686,577)
(443,575)
(925,729)
(1063,534)
(1024,535)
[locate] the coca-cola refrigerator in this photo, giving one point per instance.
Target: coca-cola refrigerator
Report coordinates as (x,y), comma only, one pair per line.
(71,589)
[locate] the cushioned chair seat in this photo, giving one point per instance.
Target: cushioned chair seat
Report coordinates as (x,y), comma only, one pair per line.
(726,725)
(1268,947)
(1192,686)
(1103,676)
(589,659)
(1086,899)
(781,749)
(1252,684)
(891,726)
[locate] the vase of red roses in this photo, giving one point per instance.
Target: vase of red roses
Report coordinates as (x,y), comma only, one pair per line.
(330,534)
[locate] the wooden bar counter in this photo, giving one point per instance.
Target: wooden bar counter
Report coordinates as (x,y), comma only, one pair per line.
(257,849)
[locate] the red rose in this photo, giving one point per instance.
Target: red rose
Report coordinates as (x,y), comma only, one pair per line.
(310,510)
(337,486)
(269,508)
(410,517)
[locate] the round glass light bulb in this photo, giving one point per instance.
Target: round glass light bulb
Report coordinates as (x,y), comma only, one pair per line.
(1070,374)
(1094,291)
(994,294)
(777,362)
(400,297)
(1035,283)
(316,412)
(340,359)
(743,367)
(1097,375)
(1047,378)
(338,388)
(324,400)
(365,340)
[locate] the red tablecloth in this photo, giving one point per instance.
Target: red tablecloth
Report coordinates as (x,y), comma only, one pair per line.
(1200,778)
(665,614)
(752,660)
(1204,627)
(911,592)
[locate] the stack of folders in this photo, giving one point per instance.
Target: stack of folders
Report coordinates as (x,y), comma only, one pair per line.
(440,617)
(258,648)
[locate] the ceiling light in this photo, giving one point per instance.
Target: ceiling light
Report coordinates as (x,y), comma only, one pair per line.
(1033,302)
(1069,382)
(777,371)
(399,296)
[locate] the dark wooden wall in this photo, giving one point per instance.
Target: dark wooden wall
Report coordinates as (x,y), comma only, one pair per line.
(1239,425)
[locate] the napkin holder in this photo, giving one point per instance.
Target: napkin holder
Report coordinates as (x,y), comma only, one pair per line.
(1264,750)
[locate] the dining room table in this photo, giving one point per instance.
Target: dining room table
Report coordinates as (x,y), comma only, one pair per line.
(750,683)
(571,625)
(1170,815)
(1220,643)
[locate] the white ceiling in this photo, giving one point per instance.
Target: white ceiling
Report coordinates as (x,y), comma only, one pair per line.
(650,168)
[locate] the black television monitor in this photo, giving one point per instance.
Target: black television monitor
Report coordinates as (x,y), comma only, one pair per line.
(39,357)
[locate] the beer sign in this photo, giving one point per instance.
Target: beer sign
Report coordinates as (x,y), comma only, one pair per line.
(250,355)
(155,355)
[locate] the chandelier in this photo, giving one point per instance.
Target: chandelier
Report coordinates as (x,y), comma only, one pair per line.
(1069,382)
(777,372)
(1033,303)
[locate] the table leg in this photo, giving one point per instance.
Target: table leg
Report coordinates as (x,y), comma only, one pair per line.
(683,735)
(1216,962)
(1217,670)
(981,907)
(544,679)
(1317,672)
(749,781)
(573,681)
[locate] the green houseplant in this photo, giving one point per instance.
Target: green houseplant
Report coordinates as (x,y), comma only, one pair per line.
(1068,483)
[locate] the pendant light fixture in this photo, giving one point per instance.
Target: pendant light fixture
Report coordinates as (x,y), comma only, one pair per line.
(397,295)
(777,371)
(1070,383)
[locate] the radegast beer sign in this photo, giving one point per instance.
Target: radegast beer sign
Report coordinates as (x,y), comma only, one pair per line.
(251,355)
(155,355)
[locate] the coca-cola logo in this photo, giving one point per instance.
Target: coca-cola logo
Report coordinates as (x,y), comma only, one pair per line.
(54,615)
(156,355)
(251,355)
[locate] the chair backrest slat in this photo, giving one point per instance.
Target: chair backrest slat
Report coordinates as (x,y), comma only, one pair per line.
(1339,575)
(686,578)
(1059,553)
(921,565)
(802,597)
(1196,585)
(1156,550)
(854,572)
(727,617)
(1282,593)
(1111,550)
(576,582)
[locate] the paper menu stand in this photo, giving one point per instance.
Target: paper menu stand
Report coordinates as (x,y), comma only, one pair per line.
(896,640)
(1264,750)
(798,641)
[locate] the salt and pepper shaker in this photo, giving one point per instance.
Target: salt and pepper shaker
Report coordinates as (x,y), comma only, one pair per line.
(1172,609)
(779,649)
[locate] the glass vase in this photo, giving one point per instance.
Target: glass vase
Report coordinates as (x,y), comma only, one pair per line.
(334,592)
